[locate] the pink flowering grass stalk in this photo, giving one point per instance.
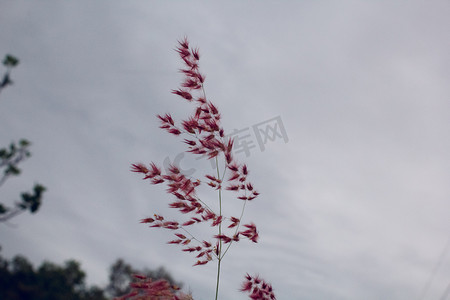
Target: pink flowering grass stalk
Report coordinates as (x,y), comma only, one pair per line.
(146,289)
(204,136)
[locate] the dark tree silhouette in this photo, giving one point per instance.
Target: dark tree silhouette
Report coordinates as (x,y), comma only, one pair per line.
(19,280)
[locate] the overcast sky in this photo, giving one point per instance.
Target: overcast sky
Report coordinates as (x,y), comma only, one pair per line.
(355,194)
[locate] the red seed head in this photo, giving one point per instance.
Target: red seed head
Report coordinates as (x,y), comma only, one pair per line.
(184,43)
(196,54)
(184,94)
(139,168)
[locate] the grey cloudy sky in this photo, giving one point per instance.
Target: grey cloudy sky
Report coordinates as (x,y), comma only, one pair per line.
(354,206)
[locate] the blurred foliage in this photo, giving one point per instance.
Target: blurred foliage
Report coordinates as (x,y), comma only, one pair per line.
(10,158)
(9,62)
(20,280)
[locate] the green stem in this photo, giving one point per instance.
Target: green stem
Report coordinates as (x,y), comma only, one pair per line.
(218,275)
(219,256)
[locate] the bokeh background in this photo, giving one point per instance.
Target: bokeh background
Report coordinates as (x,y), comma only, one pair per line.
(354,204)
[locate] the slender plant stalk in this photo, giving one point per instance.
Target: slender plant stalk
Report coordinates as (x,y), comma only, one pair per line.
(218,279)
(206,137)
(219,257)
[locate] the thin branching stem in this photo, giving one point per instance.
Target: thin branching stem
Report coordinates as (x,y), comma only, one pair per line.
(219,256)
(237,228)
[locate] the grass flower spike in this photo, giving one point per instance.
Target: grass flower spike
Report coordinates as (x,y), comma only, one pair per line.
(203,135)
